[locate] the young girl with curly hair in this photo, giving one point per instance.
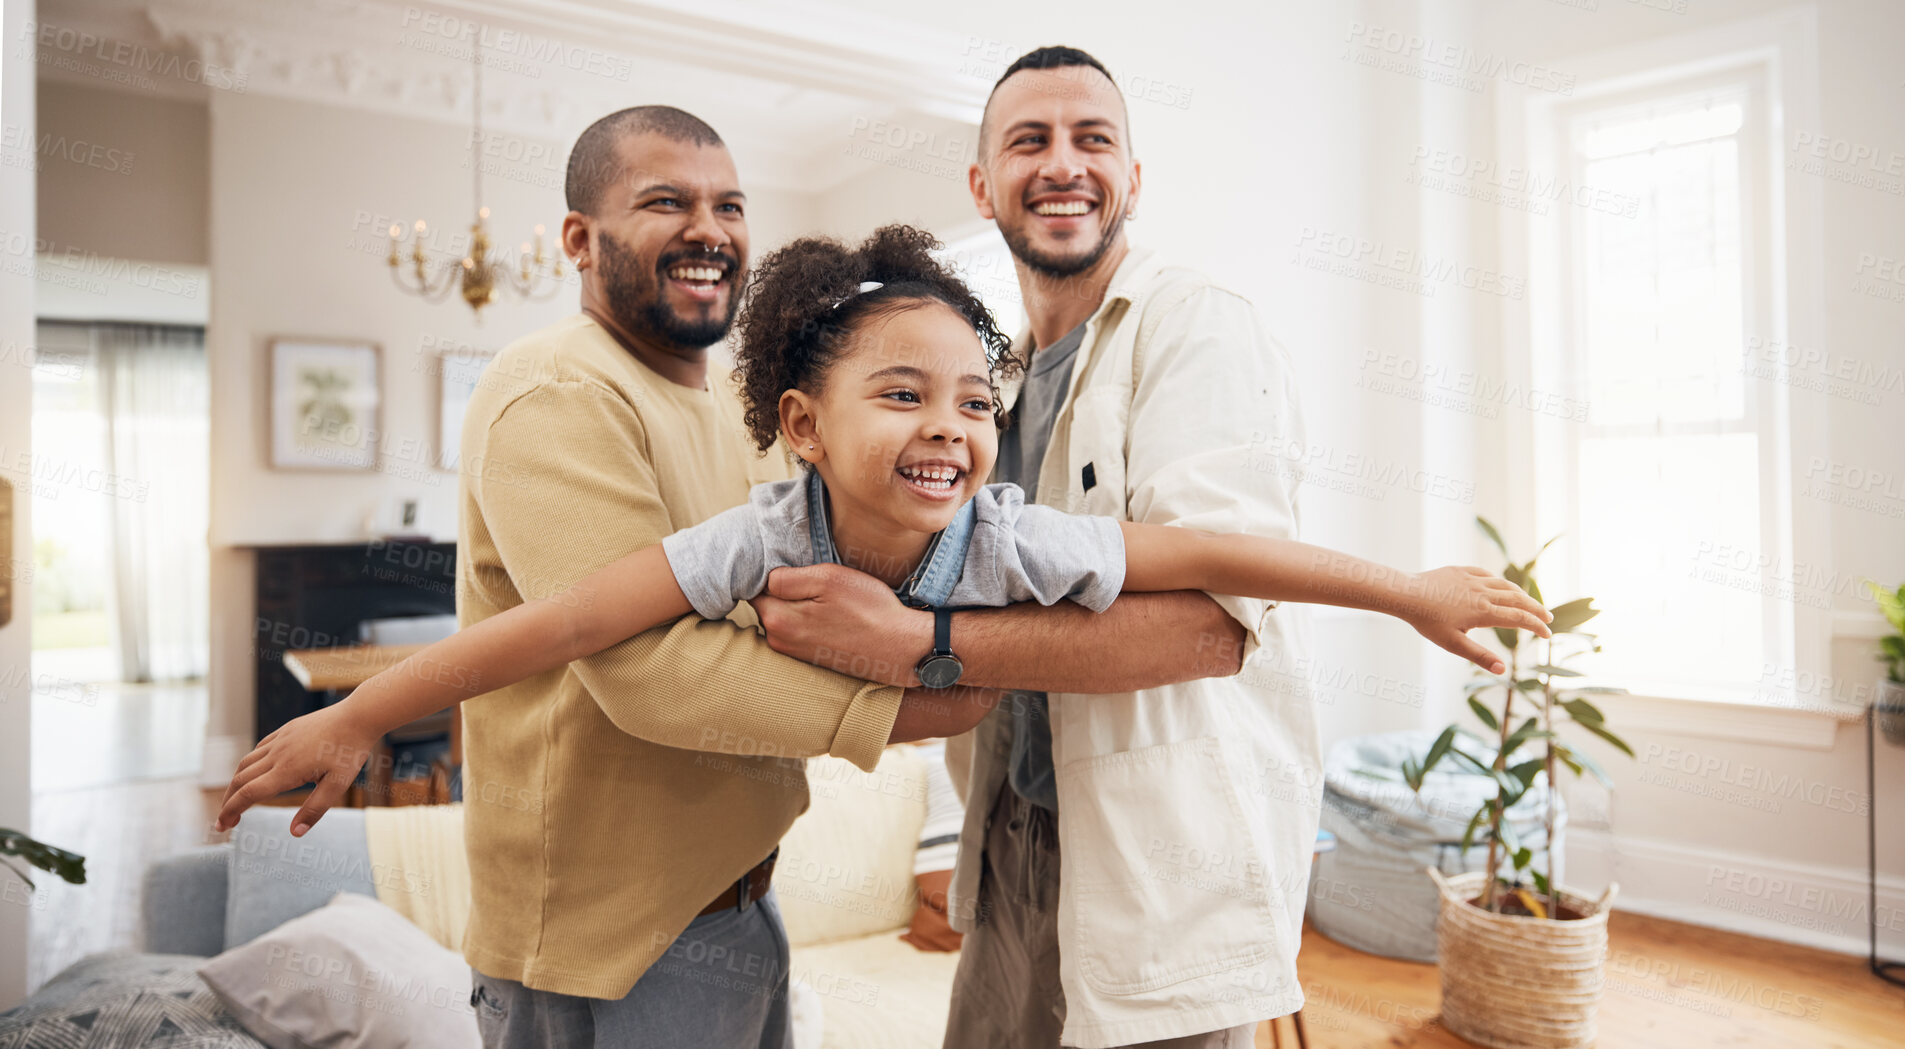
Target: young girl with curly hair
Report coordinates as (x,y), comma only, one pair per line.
(876,366)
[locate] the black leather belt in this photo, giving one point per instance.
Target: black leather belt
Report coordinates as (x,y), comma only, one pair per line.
(746,889)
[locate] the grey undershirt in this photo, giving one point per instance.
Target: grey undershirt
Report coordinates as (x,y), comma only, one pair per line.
(1020,450)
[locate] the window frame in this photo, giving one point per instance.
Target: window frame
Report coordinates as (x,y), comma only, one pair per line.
(1775,57)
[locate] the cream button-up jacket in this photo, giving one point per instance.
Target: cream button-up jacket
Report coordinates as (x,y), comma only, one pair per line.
(1187,814)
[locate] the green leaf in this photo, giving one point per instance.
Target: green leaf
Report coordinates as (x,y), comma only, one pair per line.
(1509,839)
(1494,536)
(1529,684)
(1521,735)
(1508,638)
(1577,760)
(1412,774)
(1619,744)
(1567,758)
(1486,715)
(1572,614)
(1475,821)
(1527,581)
(1582,710)
(1439,749)
(1891,604)
(70,866)
(1511,788)
(1554,671)
(1474,763)
(1527,771)
(1541,881)
(1544,549)
(1522,857)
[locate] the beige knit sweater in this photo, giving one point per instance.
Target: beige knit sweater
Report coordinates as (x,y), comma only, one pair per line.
(609,801)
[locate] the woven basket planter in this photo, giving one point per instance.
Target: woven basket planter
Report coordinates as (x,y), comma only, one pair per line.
(1513,982)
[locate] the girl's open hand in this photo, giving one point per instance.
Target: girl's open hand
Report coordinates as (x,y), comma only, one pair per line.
(325,747)
(1446,603)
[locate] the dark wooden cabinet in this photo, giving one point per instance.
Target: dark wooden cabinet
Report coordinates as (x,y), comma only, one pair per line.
(315,597)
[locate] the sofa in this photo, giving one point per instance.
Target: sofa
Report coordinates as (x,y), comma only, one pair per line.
(844,882)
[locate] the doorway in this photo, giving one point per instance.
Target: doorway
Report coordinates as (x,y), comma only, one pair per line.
(120,506)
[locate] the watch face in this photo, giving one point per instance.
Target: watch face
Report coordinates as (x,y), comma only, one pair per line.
(940,671)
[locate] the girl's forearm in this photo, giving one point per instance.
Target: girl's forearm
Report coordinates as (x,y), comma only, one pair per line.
(1158,557)
(625,598)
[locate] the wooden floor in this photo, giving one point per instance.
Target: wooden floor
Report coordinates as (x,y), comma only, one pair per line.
(119,829)
(1670,986)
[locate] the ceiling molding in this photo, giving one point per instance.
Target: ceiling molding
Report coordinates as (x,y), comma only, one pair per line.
(783,83)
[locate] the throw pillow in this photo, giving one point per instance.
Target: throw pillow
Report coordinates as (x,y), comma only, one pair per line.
(351,974)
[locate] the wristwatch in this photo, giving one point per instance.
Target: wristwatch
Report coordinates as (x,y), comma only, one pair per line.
(940,668)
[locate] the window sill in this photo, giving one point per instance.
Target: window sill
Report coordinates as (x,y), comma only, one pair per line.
(1741,720)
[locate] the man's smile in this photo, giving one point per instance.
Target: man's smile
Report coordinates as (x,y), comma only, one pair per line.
(1062,211)
(700,281)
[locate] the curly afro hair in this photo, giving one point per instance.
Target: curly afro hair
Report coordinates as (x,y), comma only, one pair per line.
(802,310)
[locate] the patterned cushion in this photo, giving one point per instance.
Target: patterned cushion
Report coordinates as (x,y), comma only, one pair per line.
(125,999)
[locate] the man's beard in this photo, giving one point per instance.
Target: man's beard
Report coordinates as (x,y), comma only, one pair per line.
(1019,241)
(635,296)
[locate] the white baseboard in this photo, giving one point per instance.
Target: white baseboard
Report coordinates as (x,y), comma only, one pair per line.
(220,762)
(1776,899)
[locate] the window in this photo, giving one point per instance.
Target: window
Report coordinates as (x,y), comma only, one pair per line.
(72,631)
(1667,488)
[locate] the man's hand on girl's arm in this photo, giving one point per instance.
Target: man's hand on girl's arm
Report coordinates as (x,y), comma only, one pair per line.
(836,617)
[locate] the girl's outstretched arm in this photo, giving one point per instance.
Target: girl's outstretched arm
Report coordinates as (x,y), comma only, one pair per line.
(327,747)
(1443,604)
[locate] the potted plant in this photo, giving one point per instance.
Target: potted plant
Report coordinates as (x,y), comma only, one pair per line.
(1523,958)
(1889,707)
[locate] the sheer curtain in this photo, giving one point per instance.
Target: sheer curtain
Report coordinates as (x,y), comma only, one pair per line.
(154,395)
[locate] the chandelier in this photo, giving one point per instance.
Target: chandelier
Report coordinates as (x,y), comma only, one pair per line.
(480,273)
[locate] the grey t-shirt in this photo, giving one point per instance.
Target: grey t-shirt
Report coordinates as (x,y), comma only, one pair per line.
(1021,449)
(1012,551)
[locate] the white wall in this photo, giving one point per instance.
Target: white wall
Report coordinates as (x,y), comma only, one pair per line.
(16,431)
(123,174)
(910,169)
(301,197)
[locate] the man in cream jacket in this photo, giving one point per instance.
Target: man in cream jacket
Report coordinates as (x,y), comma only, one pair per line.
(1185,816)
(1189,810)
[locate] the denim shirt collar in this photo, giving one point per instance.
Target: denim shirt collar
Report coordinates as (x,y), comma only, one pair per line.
(931,584)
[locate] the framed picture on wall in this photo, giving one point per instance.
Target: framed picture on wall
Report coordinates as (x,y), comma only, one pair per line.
(325,404)
(458,372)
